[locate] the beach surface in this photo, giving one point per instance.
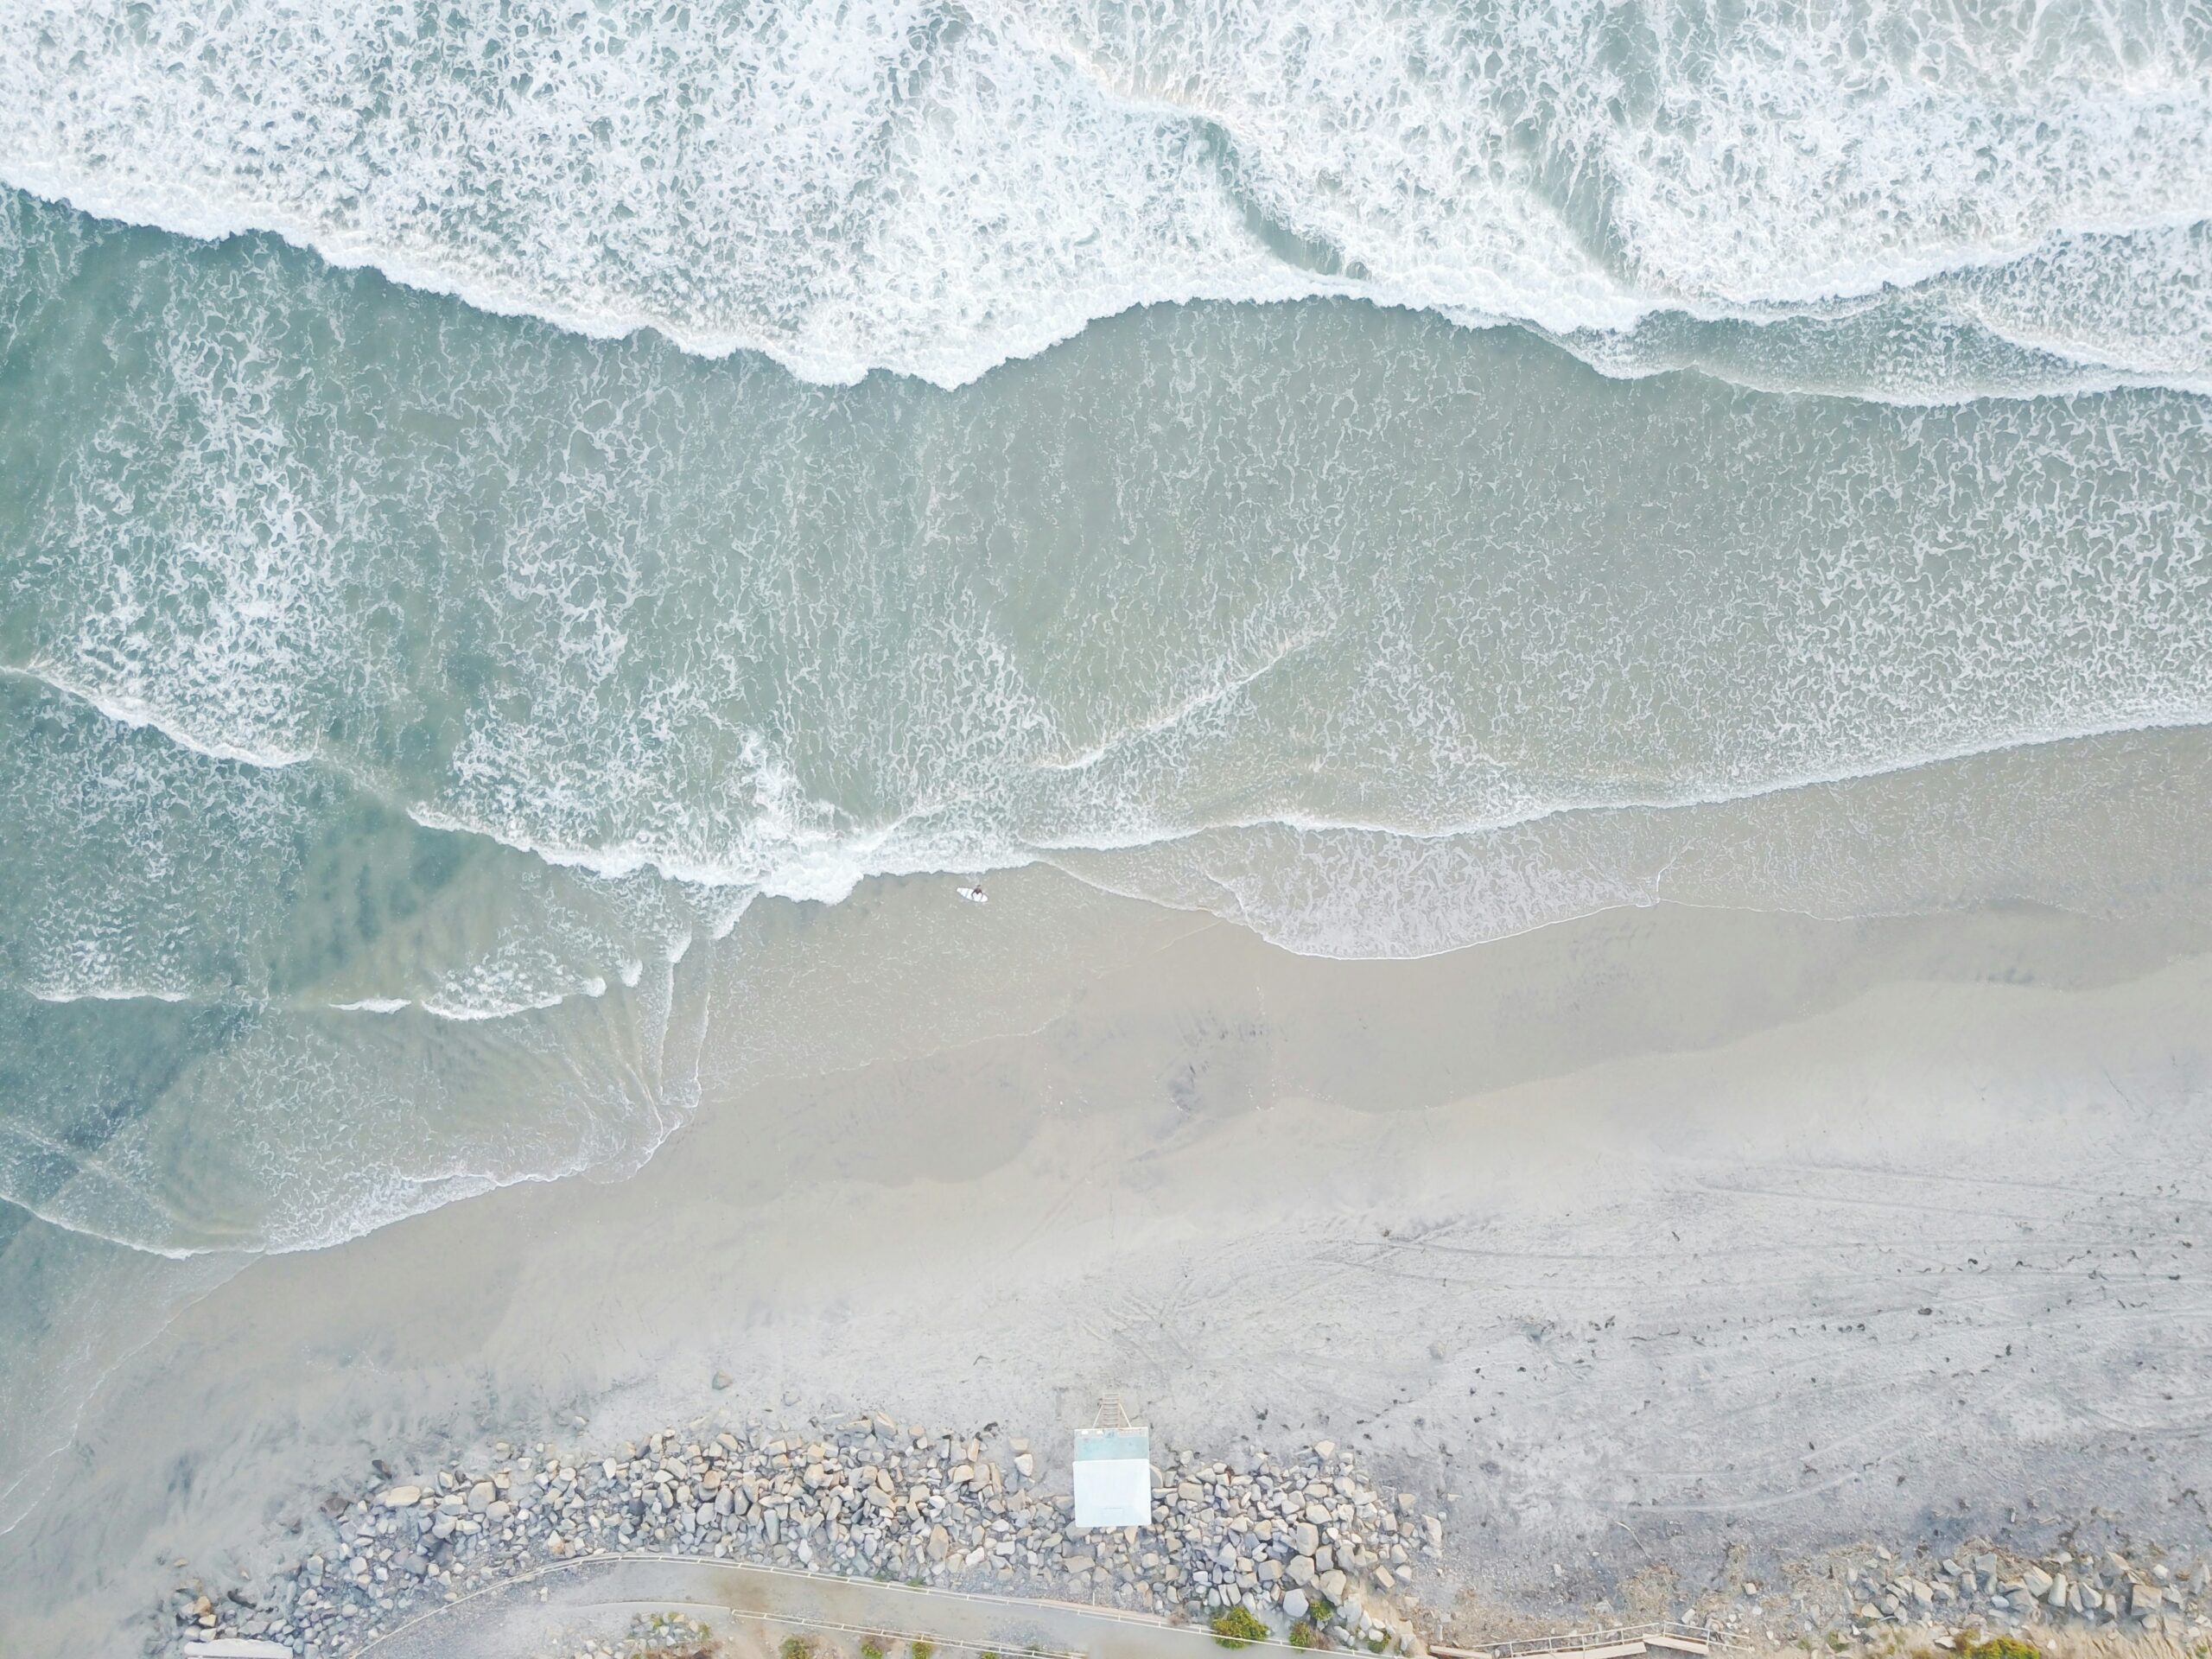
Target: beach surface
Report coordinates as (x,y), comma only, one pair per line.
(1633,1240)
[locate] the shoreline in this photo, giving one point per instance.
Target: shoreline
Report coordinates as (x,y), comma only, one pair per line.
(1604,1276)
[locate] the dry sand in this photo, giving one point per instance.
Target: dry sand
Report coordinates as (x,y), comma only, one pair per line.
(1640,1237)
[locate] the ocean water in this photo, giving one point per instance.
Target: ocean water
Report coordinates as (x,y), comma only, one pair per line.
(492,499)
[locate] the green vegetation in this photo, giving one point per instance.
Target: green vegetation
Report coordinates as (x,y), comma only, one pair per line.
(1998,1647)
(1237,1629)
(1319,1610)
(1305,1634)
(871,1649)
(796,1647)
(924,1650)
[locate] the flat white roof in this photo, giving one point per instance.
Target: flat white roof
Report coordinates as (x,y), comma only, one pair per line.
(1112,1478)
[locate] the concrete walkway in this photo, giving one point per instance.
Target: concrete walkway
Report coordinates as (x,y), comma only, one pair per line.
(554,1609)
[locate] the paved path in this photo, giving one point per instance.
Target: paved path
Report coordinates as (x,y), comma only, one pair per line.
(599,1595)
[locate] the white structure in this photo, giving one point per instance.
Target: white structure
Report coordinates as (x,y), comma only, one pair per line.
(1113,1471)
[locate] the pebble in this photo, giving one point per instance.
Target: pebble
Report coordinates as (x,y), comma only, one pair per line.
(1289,1540)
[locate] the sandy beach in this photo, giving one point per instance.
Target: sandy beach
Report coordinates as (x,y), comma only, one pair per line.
(1768,1235)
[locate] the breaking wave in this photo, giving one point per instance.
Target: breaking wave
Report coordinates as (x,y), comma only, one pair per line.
(1914,203)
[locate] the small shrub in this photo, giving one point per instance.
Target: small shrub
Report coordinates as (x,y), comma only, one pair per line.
(1999,1647)
(1305,1634)
(1237,1629)
(871,1649)
(796,1647)
(924,1650)
(1319,1610)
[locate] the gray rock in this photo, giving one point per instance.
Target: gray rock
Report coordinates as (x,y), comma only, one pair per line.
(1294,1603)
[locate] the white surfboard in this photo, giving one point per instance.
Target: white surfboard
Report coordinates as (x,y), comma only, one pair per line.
(974,895)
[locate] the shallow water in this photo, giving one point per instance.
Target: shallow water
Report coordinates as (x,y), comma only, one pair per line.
(1391,476)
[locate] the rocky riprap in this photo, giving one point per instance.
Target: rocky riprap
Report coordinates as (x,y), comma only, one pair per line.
(1305,1539)
(1867,1595)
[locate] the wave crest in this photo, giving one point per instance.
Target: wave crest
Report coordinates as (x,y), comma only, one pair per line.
(935,188)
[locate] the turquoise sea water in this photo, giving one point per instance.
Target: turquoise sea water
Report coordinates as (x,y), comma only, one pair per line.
(487,494)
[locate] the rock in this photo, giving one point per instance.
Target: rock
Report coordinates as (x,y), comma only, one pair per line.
(2037,1580)
(1333,1583)
(1309,1538)
(482,1496)
(1294,1603)
(1025,1464)
(1301,1570)
(722,1379)
(1324,1448)
(401,1497)
(940,1543)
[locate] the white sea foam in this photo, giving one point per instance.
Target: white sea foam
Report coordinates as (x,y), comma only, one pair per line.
(105,993)
(930,189)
